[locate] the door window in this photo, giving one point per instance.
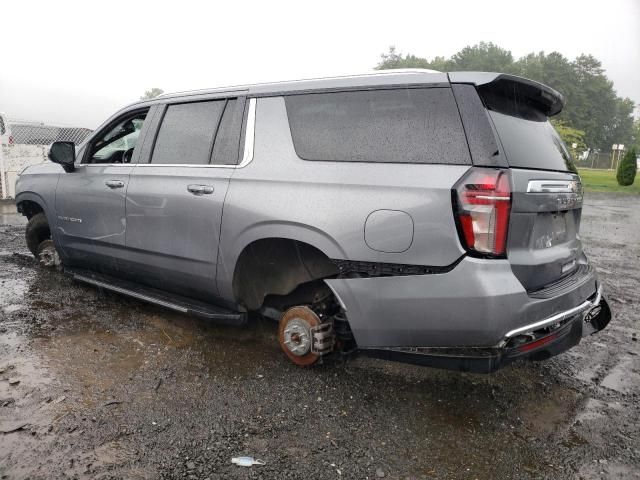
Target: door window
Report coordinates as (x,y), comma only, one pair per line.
(117,144)
(187,132)
(200,133)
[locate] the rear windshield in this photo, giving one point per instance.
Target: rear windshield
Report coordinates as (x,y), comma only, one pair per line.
(409,125)
(531,143)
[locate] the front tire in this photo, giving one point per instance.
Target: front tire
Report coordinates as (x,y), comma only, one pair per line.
(37,232)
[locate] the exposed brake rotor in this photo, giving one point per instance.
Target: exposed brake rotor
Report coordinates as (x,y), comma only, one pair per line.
(303,337)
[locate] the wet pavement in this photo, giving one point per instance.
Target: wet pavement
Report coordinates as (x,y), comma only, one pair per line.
(94,385)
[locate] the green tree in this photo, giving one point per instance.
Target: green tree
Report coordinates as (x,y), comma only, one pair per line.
(594,102)
(153,93)
(393,60)
(627,169)
(619,128)
(485,56)
(569,135)
(636,135)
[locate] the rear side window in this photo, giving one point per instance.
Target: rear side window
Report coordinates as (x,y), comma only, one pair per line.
(411,125)
(187,132)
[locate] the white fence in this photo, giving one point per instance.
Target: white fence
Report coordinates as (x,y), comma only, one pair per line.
(14,159)
(26,144)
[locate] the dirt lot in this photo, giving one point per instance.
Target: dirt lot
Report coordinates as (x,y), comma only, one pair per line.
(113,388)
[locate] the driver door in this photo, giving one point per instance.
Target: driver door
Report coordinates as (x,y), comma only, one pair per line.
(90,202)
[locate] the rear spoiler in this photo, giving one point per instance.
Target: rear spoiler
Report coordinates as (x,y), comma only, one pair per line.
(491,86)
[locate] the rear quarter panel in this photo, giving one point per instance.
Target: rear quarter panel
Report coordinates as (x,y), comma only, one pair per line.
(326,204)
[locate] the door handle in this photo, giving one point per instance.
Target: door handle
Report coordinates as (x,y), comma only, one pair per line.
(114,184)
(200,189)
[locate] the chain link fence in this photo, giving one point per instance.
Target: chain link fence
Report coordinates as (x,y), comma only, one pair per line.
(598,160)
(27,143)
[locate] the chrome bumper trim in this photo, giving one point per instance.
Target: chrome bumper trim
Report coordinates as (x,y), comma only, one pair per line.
(572,312)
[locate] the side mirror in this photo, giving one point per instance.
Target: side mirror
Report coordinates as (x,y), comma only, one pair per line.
(63,153)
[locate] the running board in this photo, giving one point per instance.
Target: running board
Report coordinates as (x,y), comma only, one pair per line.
(158,297)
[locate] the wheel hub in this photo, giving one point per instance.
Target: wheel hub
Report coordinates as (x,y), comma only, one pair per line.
(297,337)
(48,255)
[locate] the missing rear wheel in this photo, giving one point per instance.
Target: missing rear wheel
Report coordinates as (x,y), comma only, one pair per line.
(303,337)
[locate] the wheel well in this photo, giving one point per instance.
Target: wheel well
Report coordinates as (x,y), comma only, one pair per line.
(29,208)
(277,266)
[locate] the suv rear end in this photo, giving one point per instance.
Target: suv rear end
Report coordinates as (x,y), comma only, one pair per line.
(523,287)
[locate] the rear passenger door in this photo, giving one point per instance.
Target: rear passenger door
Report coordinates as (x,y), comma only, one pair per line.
(175,199)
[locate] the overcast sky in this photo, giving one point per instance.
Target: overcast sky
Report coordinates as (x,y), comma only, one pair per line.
(76,63)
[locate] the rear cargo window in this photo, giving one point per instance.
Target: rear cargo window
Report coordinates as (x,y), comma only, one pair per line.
(517,109)
(530,143)
(418,125)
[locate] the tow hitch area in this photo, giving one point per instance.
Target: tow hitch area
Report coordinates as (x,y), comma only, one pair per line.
(597,318)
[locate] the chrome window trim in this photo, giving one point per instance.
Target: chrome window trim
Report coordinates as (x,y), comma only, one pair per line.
(249,135)
(553,186)
(247,157)
(187,165)
(106,165)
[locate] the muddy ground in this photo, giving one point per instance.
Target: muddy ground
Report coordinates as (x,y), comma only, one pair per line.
(114,388)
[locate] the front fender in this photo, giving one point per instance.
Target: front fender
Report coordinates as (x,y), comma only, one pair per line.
(38,199)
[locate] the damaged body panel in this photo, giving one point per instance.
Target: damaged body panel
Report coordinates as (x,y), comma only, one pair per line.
(475,305)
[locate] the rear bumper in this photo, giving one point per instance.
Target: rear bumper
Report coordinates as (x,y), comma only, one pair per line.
(480,304)
(548,343)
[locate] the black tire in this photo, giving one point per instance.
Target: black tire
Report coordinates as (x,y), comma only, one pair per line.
(37,231)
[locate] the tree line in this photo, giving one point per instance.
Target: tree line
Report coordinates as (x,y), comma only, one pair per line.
(594,117)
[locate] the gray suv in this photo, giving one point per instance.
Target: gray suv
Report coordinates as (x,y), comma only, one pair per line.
(413,215)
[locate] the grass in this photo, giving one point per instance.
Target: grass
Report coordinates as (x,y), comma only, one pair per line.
(605,181)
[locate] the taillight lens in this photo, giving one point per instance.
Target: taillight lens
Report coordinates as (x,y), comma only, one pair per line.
(483,203)
(10,140)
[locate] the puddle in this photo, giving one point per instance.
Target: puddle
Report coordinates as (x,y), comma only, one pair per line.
(624,377)
(11,291)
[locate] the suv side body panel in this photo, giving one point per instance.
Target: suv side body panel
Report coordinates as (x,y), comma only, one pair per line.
(326,204)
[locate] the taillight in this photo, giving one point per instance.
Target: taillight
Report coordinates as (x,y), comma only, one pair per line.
(482,205)
(10,140)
